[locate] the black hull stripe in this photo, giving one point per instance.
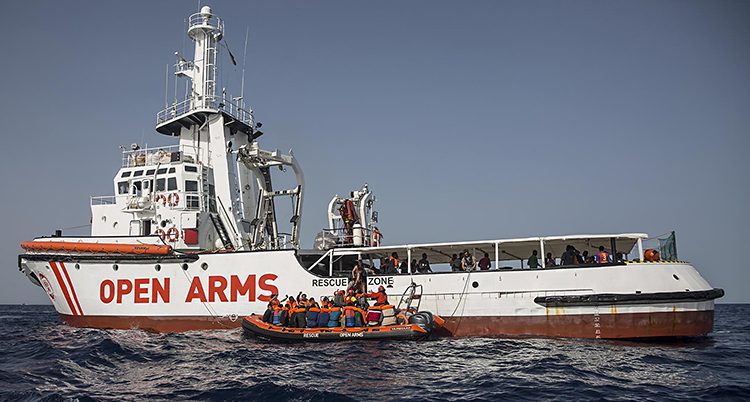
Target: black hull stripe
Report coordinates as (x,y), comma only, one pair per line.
(615,299)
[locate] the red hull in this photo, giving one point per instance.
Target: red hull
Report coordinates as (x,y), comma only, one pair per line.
(606,326)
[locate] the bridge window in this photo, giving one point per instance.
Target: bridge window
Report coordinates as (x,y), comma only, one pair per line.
(191,185)
(160,184)
(149,172)
(138,173)
(190,168)
(161,171)
(171,183)
(171,170)
(125,174)
(122,187)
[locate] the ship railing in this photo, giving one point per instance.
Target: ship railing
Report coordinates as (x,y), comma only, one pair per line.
(230,106)
(160,155)
(183,66)
(103,200)
(200,20)
(341,237)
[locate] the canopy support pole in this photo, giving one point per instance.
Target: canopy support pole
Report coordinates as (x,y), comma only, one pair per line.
(497,255)
(408,260)
(640,249)
(544,255)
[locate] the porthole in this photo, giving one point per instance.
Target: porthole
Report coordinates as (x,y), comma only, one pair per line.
(184,267)
(157,267)
(675,277)
(115,267)
(475,284)
(78,266)
(204,266)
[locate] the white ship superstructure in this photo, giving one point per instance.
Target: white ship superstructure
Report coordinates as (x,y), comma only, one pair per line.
(192,239)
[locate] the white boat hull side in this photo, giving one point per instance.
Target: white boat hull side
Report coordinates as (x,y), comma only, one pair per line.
(217,289)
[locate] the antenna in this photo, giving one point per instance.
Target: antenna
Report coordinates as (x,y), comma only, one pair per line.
(166,87)
(244,61)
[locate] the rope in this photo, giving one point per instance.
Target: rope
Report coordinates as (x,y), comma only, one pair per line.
(210,310)
(463,292)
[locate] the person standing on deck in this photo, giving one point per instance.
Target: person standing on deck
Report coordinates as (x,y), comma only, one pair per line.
(356,283)
(485,263)
(533,262)
(423,265)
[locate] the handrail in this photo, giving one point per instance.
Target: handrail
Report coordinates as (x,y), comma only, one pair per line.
(210,103)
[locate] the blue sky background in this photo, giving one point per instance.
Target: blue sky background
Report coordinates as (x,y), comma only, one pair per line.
(470,120)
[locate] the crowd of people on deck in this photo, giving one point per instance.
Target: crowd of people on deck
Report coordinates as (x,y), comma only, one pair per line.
(466,262)
(342,309)
(571,256)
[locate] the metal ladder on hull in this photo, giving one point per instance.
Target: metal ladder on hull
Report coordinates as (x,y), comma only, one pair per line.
(221,230)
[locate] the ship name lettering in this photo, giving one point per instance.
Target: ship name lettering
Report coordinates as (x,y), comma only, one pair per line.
(143,290)
(218,286)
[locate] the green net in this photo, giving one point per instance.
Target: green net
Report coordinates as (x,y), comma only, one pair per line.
(668,247)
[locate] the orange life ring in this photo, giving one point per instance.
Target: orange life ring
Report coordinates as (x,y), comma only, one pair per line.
(161,198)
(160,232)
(173,234)
(174,199)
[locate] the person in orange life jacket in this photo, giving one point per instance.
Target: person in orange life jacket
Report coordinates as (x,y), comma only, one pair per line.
(387,267)
(484,262)
(380,297)
(338,298)
(394,259)
(603,257)
(302,300)
(311,303)
(351,298)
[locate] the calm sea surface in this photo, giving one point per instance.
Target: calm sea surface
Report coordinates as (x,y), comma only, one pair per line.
(40,358)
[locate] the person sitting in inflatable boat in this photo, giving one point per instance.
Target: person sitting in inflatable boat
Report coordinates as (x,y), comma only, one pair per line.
(380,297)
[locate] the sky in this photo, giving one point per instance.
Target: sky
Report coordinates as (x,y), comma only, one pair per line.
(469,120)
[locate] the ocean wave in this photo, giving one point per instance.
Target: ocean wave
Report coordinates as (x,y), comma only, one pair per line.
(46,360)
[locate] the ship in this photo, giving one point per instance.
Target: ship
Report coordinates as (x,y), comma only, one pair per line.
(193,238)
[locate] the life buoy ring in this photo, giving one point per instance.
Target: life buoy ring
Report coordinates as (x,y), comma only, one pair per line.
(160,232)
(174,199)
(161,198)
(173,234)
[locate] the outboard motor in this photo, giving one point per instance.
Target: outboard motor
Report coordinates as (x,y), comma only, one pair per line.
(424,319)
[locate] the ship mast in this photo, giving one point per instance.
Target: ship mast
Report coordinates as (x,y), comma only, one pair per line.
(220,134)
